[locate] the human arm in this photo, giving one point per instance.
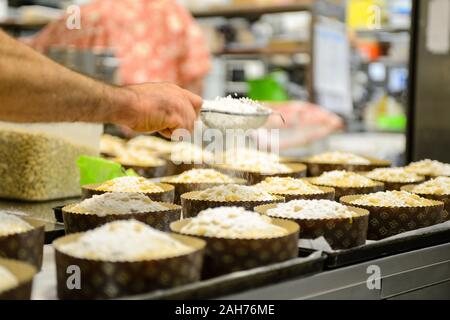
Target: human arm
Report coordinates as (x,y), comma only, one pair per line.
(36,89)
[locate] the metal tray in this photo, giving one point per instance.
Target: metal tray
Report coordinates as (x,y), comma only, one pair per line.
(409,241)
(307,263)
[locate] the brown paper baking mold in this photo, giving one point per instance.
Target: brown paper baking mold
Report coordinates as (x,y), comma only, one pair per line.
(24,273)
(316,169)
(25,246)
(192,206)
(340,233)
(78,222)
(223,256)
(445,198)
(385,222)
(167,195)
(298,171)
(109,280)
(182,188)
(348,191)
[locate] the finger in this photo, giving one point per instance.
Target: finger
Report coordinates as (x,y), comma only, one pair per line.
(195,100)
(167,133)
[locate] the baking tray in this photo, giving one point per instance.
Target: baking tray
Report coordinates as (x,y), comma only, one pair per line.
(308,262)
(409,241)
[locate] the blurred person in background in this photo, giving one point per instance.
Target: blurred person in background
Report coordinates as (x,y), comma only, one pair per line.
(155,40)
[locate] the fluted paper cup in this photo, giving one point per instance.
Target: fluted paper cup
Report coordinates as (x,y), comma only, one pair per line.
(223,256)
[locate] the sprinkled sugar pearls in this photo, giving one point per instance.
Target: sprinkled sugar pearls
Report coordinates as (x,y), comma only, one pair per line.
(10,224)
(125,241)
(129,184)
(232,222)
(117,204)
(310,209)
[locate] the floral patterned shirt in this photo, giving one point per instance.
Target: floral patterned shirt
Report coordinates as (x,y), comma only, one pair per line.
(155,40)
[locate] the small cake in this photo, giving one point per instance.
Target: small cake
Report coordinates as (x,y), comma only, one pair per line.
(394,178)
(134,157)
(338,161)
(111,146)
(21,238)
(438,186)
(436,189)
(343,227)
(395,212)
(117,204)
(126,258)
(295,189)
(338,157)
(11,224)
(101,209)
(288,185)
(260,166)
(393,199)
(7,280)
(232,222)
(124,241)
(200,176)
(310,209)
(238,154)
(151,143)
(234,192)
(238,239)
(184,152)
(430,168)
(129,184)
(230,195)
(199,179)
(343,179)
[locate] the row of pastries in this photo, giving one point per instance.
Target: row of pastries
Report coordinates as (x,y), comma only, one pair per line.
(207,221)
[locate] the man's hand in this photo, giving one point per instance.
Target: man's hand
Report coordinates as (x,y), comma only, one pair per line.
(158,107)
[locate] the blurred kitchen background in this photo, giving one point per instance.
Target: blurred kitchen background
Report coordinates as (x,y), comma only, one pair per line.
(336,70)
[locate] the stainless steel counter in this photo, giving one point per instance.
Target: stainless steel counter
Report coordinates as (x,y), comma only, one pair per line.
(421,274)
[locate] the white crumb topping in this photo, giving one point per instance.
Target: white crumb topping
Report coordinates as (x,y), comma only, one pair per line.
(111,145)
(430,167)
(394,175)
(124,241)
(343,179)
(201,176)
(310,209)
(232,222)
(392,199)
(288,185)
(438,186)
(11,224)
(338,157)
(185,152)
(117,204)
(234,192)
(139,157)
(151,143)
(129,184)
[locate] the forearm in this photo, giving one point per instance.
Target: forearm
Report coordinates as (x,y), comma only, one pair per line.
(36,89)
